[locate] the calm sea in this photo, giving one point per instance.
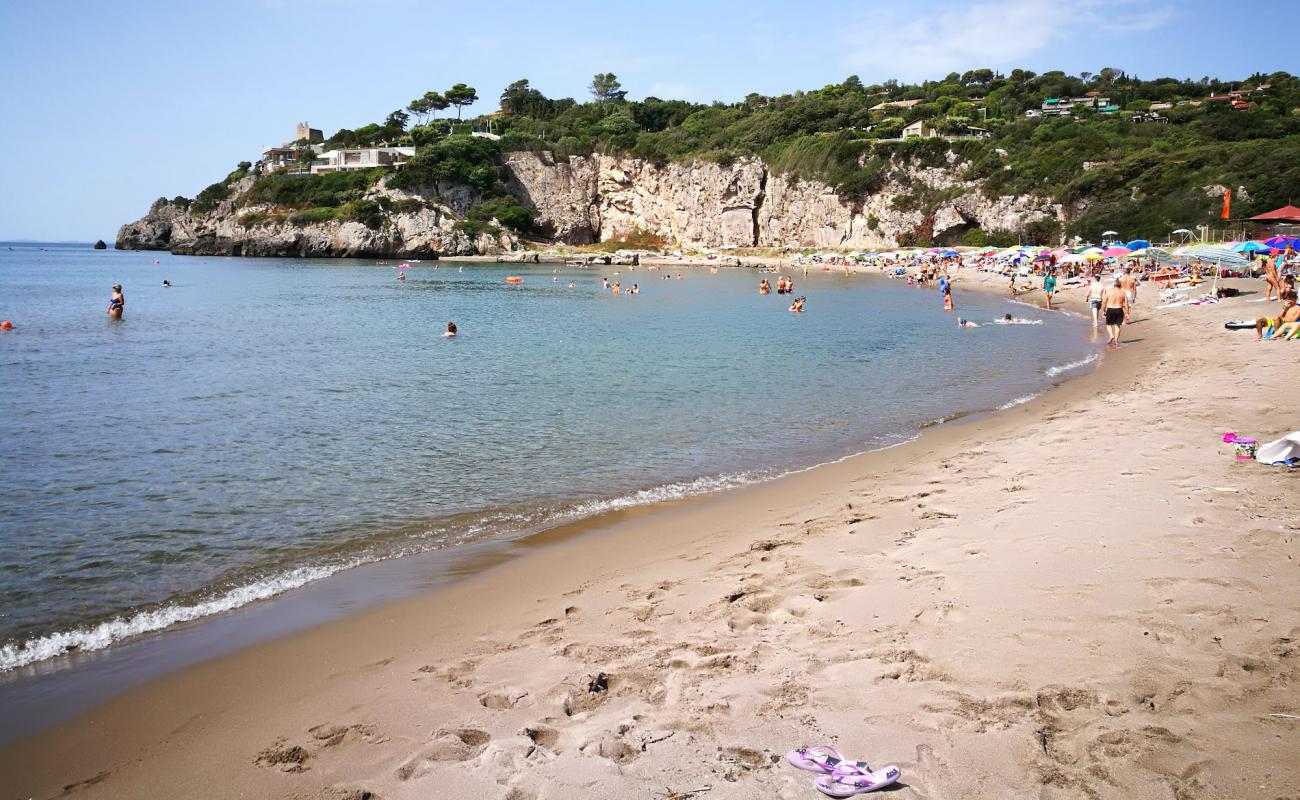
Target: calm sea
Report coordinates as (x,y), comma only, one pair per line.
(265,423)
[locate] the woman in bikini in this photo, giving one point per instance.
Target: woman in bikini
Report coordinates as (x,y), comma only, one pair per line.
(116,302)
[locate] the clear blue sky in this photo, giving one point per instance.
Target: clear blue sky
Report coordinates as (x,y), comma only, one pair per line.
(109,105)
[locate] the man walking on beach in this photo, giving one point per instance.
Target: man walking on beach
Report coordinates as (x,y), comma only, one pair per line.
(1129,283)
(1114,305)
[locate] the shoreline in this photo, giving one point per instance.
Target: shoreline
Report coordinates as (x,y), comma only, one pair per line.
(465,570)
(482,643)
(46,692)
(43,666)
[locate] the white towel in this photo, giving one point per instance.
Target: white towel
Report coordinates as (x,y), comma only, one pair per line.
(1280,451)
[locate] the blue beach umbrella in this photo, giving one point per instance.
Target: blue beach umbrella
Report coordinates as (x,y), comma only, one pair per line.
(1250,247)
(1138,244)
(949,253)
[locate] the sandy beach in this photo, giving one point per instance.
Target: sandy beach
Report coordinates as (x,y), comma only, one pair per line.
(1083,596)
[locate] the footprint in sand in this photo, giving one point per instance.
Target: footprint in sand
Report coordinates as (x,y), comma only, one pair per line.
(456,744)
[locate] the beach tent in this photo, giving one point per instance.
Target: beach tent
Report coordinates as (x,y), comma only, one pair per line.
(1138,244)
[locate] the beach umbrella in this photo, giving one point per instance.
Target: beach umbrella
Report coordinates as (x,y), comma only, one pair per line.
(404,266)
(1110,233)
(1073,258)
(1283,242)
(1115,252)
(1223,256)
(1091,251)
(949,253)
(1093,256)
(1250,247)
(1138,244)
(1139,252)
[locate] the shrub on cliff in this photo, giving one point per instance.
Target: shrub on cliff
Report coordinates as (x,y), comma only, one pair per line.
(505,210)
(310,191)
(466,160)
(313,215)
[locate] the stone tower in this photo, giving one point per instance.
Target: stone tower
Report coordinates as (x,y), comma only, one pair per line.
(306,133)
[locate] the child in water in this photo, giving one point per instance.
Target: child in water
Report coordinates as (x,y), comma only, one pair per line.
(451,329)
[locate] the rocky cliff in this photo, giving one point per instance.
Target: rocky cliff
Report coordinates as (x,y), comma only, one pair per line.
(230,229)
(584,199)
(596,198)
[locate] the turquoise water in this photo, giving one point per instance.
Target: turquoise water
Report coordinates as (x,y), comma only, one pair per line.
(264,422)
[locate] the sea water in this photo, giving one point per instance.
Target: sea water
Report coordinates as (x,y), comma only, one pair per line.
(265,423)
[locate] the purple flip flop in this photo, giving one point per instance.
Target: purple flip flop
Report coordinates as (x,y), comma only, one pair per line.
(823,758)
(847,781)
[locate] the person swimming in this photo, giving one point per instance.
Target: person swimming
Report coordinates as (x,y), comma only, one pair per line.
(797,305)
(451,329)
(965,323)
(167,284)
(116,302)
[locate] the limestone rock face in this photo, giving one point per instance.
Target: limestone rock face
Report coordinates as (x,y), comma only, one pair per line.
(705,204)
(228,230)
(561,192)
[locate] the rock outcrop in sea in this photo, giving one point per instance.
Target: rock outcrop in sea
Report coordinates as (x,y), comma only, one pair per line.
(584,199)
(230,229)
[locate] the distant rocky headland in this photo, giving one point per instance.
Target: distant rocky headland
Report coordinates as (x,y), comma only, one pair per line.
(848,166)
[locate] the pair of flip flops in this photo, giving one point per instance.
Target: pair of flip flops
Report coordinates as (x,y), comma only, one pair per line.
(840,777)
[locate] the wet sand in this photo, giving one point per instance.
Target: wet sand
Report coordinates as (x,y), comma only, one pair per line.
(1083,596)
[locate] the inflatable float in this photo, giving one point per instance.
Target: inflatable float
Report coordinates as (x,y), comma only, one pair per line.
(514,279)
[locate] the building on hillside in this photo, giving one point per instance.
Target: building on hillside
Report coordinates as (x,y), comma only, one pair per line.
(1059,106)
(902,104)
(306,133)
(361,158)
(285,155)
(920,129)
(1161,106)
(1150,116)
(977,133)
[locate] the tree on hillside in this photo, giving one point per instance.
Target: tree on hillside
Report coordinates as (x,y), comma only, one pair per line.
(521,98)
(1109,74)
(605,87)
(460,96)
(430,103)
(397,121)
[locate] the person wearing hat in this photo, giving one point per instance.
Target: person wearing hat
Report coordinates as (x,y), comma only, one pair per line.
(116,302)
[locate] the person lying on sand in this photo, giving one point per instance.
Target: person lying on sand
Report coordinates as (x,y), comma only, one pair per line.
(1284,321)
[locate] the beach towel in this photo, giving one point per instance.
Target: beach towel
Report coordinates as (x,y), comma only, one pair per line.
(1284,451)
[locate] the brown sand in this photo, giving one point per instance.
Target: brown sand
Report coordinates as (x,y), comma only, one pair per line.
(1082,597)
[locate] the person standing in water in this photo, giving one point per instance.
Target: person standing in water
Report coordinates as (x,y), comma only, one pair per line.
(451,329)
(1049,287)
(116,302)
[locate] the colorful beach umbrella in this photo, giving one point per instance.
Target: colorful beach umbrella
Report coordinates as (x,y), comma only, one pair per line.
(1117,251)
(1283,242)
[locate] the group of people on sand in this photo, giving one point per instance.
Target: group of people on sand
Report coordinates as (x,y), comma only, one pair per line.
(1286,325)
